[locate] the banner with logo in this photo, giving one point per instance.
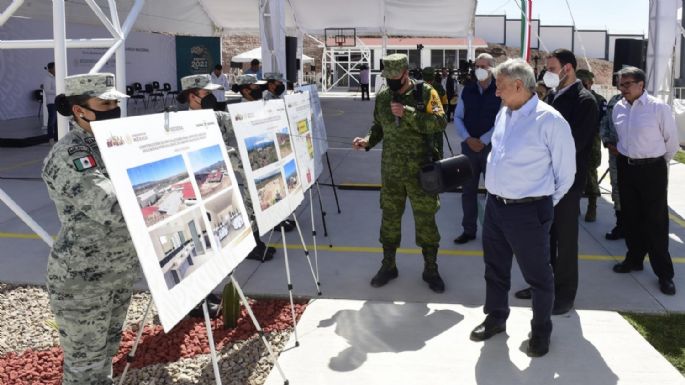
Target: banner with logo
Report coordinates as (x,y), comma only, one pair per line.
(181,202)
(196,55)
(268,156)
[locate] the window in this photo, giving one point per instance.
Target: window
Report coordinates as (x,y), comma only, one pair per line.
(437,58)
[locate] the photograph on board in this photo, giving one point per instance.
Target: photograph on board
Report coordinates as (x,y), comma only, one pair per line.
(163,188)
(290,172)
(270,189)
(210,170)
(261,151)
(225,218)
(284,145)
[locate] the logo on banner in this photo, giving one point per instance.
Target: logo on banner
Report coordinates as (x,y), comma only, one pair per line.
(200,59)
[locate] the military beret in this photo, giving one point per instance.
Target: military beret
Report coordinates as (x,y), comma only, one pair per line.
(273,76)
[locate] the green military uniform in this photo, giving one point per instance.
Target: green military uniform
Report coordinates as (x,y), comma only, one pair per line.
(93,264)
(404,152)
(428,75)
(592,180)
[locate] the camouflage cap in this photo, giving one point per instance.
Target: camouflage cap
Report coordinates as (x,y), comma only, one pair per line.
(198,81)
(94,85)
(394,65)
(584,74)
(428,73)
(247,79)
(273,76)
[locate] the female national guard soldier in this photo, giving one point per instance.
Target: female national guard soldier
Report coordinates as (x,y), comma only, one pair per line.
(93,264)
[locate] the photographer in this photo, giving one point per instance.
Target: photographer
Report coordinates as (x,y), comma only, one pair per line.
(407,131)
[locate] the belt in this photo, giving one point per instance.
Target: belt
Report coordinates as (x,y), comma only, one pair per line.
(642,161)
(508,201)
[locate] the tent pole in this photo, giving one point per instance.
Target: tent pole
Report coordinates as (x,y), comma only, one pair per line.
(49,44)
(59,30)
(9,11)
(120,56)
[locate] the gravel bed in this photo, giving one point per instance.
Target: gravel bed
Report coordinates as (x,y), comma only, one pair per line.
(240,363)
(25,319)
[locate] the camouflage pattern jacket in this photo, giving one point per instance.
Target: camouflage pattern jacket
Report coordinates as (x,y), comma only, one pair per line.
(406,141)
(94,238)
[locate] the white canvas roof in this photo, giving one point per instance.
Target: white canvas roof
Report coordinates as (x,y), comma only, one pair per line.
(256,53)
(213,17)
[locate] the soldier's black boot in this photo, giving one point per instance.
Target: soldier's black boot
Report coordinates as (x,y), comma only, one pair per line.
(388,268)
(430,270)
(591,213)
(617,232)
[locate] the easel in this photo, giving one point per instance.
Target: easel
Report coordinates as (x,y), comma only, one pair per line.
(210,337)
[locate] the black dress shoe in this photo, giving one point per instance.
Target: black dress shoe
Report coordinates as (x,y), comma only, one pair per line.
(258,253)
(435,283)
(526,293)
(625,267)
(384,275)
(287,224)
(667,286)
(460,240)
(537,346)
(560,308)
(213,308)
(487,330)
(615,234)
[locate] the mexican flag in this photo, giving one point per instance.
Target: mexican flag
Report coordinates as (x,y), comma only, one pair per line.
(526,12)
(84,163)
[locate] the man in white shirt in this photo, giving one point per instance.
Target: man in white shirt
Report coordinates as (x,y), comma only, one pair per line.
(48,86)
(647,141)
(219,78)
(530,168)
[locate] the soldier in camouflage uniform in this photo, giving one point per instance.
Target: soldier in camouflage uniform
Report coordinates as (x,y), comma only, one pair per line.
(406,132)
(428,75)
(274,86)
(592,183)
(197,91)
(607,132)
(93,264)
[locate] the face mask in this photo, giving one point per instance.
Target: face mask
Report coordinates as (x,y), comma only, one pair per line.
(482,74)
(103,115)
(395,84)
(256,94)
(208,102)
(280,89)
(551,79)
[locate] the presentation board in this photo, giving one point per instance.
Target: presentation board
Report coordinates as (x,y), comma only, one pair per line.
(300,119)
(319,136)
(181,201)
(267,153)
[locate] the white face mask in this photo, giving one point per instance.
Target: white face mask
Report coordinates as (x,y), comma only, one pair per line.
(551,79)
(482,74)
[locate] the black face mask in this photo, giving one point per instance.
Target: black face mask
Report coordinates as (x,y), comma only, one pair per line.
(208,102)
(103,115)
(256,94)
(395,84)
(280,89)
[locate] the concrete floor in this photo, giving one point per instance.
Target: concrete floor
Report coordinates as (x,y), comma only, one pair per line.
(593,345)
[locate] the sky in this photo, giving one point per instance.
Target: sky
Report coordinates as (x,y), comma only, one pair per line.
(616,16)
(205,157)
(289,168)
(158,170)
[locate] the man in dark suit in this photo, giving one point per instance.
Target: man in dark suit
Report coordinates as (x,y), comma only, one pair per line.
(579,108)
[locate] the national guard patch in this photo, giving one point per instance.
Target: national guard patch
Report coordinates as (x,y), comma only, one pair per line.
(90,141)
(85,163)
(74,149)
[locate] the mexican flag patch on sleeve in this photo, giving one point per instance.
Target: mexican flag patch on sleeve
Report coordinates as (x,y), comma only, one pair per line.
(84,163)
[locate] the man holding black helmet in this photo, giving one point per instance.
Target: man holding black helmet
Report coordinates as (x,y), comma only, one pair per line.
(407,116)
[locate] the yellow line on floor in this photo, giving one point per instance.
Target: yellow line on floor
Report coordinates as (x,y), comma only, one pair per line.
(20,165)
(460,253)
(378,250)
(677,219)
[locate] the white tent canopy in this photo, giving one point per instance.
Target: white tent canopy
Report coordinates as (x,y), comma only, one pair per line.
(214,17)
(256,53)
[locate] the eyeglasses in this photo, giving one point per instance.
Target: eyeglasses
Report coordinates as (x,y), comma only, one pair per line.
(627,84)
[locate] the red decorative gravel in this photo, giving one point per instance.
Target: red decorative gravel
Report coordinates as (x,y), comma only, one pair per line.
(187,339)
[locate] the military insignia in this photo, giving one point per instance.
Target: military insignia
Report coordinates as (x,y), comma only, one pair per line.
(85,163)
(90,141)
(109,81)
(74,149)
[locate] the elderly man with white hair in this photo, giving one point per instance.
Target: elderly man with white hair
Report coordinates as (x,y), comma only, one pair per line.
(475,119)
(530,168)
